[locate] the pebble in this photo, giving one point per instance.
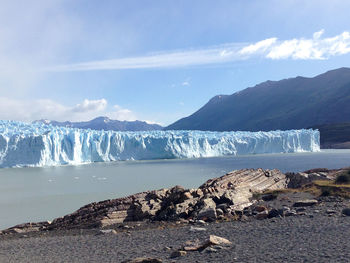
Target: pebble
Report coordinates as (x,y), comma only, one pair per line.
(197,229)
(346,211)
(108,231)
(178,253)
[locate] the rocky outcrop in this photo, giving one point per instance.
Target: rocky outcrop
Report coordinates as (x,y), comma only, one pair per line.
(226,197)
(237,187)
(214,199)
(297,180)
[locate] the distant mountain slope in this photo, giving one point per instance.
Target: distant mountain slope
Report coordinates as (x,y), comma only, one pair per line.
(287,104)
(334,135)
(104,123)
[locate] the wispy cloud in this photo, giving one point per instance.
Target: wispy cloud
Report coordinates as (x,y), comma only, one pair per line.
(259,47)
(29,110)
(186,82)
(271,48)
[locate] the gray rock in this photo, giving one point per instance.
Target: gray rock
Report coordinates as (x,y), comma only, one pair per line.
(143,260)
(301,209)
(207,214)
(297,180)
(216,240)
(262,215)
(274,213)
(210,250)
(223,207)
(268,197)
(346,211)
(306,202)
(108,231)
(197,229)
(201,222)
(290,213)
(178,253)
(259,209)
(219,212)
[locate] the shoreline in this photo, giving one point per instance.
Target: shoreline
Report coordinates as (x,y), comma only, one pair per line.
(271,213)
(315,236)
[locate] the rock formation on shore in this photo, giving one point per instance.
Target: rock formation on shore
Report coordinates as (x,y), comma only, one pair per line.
(218,198)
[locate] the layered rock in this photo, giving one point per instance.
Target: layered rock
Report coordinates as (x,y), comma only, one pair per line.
(216,197)
(237,187)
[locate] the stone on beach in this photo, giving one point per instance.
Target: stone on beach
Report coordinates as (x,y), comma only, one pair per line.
(346,211)
(306,202)
(143,260)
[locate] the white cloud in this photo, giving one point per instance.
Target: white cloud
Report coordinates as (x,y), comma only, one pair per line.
(260,46)
(121,114)
(315,48)
(185,83)
(29,110)
(271,48)
(159,60)
(90,105)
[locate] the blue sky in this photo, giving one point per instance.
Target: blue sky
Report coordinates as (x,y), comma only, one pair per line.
(157,60)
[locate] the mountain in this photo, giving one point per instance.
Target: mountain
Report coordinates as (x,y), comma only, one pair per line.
(286,104)
(104,123)
(334,135)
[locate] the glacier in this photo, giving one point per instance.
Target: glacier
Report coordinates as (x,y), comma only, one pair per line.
(23,144)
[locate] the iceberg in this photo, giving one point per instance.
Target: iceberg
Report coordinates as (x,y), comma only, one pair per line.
(37,144)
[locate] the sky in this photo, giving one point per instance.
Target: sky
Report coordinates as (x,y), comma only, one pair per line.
(157,60)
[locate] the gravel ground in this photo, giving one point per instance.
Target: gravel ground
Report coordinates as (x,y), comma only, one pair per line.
(294,239)
(315,237)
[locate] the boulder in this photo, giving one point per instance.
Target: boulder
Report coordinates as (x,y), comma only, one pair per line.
(207,214)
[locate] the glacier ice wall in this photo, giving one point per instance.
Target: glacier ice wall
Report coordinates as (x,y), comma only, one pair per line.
(23,144)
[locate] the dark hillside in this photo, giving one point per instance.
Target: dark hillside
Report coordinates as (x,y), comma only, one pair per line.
(287,104)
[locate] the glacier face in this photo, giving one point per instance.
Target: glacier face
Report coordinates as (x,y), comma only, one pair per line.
(23,144)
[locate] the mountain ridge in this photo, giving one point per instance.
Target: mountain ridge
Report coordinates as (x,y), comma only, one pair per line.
(291,103)
(105,123)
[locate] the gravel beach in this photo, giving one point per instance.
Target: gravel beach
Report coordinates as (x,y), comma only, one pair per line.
(314,237)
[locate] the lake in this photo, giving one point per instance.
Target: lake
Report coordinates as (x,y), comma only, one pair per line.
(37,194)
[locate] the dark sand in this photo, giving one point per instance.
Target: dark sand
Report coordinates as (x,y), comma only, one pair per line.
(302,238)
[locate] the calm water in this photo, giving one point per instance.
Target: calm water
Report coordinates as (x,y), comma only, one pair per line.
(36,194)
